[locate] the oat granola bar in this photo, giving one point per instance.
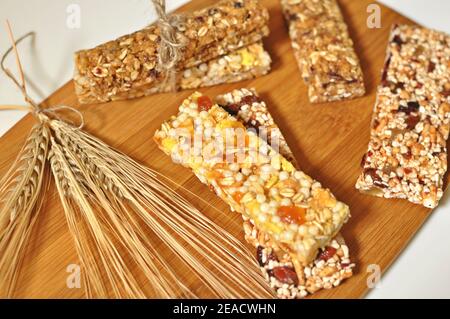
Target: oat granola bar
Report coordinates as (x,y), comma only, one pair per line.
(296,212)
(407,154)
(324,50)
(288,278)
(127,67)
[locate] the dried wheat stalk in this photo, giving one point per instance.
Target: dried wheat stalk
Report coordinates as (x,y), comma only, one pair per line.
(125,195)
(123,216)
(21,194)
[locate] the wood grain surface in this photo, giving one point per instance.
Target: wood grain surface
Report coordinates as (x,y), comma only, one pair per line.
(328,141)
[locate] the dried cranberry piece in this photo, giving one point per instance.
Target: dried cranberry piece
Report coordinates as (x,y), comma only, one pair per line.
(445,93)
(379,184)
(233,109)
(411,121)
(286,275)
(363,160)
(377,181)
(411,106)
(398,40)
(259,256)
(327,253)
(399,85)
(249,100)
(384,81)
(259,251)
(431,67)
(408,155)
(375,124)
(414,105)
(407,170)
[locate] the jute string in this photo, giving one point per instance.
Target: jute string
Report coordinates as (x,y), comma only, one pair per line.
(172,43)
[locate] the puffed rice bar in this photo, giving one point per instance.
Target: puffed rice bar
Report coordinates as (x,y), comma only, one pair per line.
(290,207)
(324,50)
(407,154)
(288,278)
(127,67)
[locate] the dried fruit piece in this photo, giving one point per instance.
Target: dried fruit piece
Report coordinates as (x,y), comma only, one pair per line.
(411,121)
(292,214)
(411,107)
(327,253)
(204,103)
(285,275)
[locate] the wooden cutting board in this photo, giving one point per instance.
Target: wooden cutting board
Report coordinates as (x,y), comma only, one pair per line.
(328,141)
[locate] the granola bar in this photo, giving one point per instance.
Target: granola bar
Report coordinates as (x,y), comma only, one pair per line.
(296,212)
(243,64)
(407,154)
(288,278)
(323,50)
(127,67)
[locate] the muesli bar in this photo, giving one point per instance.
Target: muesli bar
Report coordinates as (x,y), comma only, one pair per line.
(127,67)
(288,278)
(296,212)
(323,50)
(407,154)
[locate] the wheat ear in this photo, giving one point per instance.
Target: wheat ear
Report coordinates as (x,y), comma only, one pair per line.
(115,201)
(21,192)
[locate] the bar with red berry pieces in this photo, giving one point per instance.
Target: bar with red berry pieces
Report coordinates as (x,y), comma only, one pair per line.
(407,153)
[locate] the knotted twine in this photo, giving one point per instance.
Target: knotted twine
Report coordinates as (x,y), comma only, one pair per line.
(172,43)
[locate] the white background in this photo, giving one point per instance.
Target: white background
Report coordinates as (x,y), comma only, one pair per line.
(422,270)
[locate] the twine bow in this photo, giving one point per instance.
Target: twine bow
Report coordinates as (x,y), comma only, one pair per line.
(34,108)
(172,43)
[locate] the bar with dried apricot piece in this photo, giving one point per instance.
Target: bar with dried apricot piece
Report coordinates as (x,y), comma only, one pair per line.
(287,277)
(295,211)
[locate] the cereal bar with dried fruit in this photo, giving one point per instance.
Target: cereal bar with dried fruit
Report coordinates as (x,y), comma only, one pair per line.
(127,67)
(295,211)
(288,278)
(407,154)
(243,64)
(323,50)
